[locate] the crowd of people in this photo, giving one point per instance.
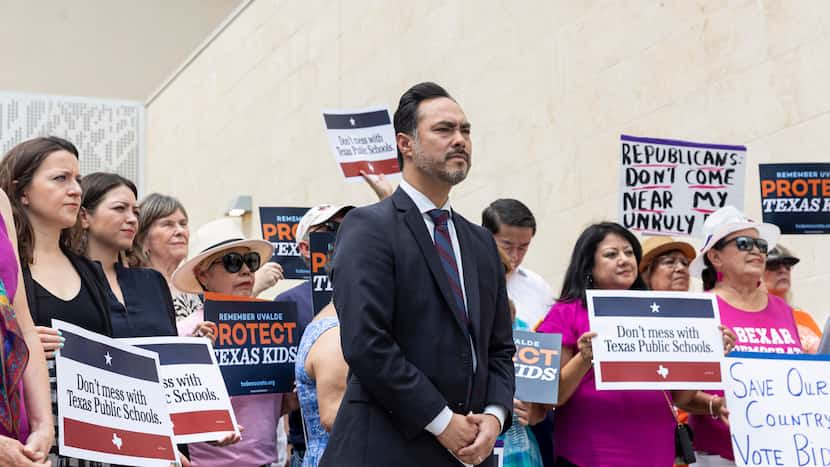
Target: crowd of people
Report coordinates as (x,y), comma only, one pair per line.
(411,363)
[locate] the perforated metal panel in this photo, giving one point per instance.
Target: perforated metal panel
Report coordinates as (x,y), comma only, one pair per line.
(109,133)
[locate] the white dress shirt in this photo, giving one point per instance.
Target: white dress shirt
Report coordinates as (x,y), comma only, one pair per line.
(424,205)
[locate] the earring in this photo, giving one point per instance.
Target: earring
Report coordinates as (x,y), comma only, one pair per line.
(84,242)
(719,277)
(589,279)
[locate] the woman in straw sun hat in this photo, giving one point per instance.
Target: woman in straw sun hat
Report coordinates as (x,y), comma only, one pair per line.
(731,264)
(665,263)
(222,260)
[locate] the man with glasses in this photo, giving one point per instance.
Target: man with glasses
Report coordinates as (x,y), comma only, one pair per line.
(320,218)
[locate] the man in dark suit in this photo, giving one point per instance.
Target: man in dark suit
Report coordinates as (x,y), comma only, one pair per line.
(424,320)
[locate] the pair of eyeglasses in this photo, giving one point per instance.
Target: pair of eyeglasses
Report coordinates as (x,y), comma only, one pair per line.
(330,226)
(744,243)
(233,261)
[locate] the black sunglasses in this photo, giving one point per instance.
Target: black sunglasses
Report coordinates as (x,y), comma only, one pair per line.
(233,261)
(330,226)
(745,243)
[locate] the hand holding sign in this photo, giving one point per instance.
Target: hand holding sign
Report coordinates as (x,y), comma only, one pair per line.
(362,141)
(256,343)
(655,340)
(536,364)
(378,183)
(111,406)
(196,395)
(585,346)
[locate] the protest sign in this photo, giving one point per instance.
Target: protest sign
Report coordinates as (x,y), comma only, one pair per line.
(670,187)
(322,246)
(256,343)
(196,396)
(279,226)
(796,197)
(111,405)
(536,363)
(655,340)
(362,139)
(779,408)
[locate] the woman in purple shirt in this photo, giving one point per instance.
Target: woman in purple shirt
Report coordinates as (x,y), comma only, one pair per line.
(603,428)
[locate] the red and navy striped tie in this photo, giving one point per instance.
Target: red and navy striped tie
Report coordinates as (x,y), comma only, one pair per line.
(443,244)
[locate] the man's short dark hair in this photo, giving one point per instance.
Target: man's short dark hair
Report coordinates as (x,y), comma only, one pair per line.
(507,211)
(406,116)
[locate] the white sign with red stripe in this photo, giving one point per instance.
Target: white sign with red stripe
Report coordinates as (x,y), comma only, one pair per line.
(362,140)
(655,340)
(196,394)
(111,405)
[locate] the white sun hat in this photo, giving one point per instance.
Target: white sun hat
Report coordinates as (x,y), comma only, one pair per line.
(211,238)
(723,222)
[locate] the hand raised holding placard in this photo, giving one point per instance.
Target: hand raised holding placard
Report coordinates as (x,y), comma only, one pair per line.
(585,346)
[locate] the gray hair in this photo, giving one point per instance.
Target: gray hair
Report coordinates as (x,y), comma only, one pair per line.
(152,208)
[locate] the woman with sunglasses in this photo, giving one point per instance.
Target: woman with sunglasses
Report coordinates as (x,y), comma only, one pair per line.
(731,264)
(224,262)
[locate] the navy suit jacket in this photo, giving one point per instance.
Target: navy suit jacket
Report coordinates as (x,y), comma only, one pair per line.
(408,350)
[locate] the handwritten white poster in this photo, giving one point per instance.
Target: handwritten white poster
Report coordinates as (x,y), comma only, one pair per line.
(669,187)
(779,407)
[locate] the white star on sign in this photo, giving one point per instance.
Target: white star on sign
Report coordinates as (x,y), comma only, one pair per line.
(108,358)
(351,120)
(117,441)
(663,371)
(655,308)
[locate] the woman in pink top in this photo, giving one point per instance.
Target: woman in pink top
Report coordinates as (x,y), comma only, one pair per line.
(603,428)
(224,262)
(732,263)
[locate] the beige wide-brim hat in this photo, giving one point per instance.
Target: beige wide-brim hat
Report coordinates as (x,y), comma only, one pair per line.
(656,246)
(723,222)
(211,238)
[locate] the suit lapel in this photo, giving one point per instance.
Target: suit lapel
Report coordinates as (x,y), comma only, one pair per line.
(415,221)
(468,262)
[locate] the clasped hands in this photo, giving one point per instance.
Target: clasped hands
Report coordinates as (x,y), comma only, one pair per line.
(471,437)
